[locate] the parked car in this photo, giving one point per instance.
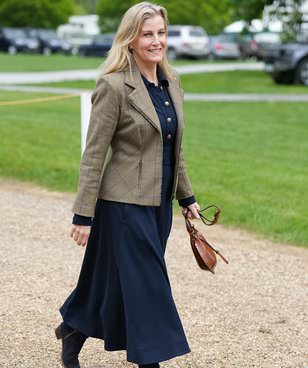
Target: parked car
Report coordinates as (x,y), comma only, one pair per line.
(15,40)
(99,47)
(189,41)
(224,46)
(79,30)
(255,44)
(288,63)
(49,42)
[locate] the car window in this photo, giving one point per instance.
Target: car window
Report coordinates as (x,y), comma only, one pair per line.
(32,33)
(104,38)
(267,37)
(196,33)
(173,33)
(48,34)
(227,38)
(14,33)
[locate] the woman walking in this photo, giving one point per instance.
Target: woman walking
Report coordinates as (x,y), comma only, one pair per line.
(131,170)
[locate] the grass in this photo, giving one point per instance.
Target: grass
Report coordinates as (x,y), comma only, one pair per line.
(39,63)
(40,142)
(252,159)
(249,158)
(236,82)
(222,82)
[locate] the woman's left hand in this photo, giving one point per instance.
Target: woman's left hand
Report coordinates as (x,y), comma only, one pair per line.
(192,211)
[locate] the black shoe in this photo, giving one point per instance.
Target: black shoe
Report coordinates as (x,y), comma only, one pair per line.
(72,342)
(153,365)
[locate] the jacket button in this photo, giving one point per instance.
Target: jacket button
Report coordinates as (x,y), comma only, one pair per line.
(169,120)
(167,103)
(169,136)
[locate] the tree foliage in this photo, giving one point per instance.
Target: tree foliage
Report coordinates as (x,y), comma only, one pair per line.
(213,15)
(38,13)
(288,11)
(89,6)
(249,9)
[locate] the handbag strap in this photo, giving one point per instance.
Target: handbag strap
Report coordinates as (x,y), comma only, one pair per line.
(207,221)
(215,250)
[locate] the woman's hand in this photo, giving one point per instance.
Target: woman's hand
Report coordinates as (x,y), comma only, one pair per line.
(80,234)
(192,211)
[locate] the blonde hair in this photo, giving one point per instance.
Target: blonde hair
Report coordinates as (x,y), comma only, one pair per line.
(119,57)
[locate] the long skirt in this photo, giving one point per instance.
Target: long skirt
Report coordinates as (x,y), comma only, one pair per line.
(123,295)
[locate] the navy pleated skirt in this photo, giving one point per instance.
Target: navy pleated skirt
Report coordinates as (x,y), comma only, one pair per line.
(123,295)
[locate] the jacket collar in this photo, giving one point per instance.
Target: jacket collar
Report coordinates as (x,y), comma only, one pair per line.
(140,99)
(162,80)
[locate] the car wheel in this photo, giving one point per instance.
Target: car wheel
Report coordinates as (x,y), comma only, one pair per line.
(302,72)
(12,50)
(243,56)
(279,79)
(171,53)
(46,51)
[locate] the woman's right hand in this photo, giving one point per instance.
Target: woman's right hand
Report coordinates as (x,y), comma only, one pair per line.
(80,234)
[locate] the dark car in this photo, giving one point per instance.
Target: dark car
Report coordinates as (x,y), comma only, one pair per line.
(99,47)
(288,63)
(49,42)
(255,44)
(15,40)
(224,46)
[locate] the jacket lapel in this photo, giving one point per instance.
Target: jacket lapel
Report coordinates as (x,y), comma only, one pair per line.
(139,97)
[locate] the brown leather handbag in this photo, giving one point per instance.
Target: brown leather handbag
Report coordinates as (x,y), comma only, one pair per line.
(204,252)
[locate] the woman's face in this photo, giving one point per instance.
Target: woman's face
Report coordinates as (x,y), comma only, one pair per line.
(149,46)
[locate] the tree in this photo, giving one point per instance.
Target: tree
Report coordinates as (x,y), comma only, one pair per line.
(111,11)
(89,6)
(38,13)
(249,9)
(211,14)
(288,11)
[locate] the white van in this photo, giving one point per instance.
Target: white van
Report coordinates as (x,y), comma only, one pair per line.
(191,41)
(80,30)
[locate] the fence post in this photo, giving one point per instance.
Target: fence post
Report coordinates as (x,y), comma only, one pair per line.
(85,110)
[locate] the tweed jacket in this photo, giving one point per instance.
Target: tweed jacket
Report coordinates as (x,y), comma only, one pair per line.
(122,160)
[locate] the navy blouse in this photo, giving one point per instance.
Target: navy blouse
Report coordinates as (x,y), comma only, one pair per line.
(168,122)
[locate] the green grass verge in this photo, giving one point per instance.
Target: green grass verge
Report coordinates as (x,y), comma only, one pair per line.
(36,62)
(222,82)
(249,158)
(40,142)
(252,160)
(240,81)
(39,63)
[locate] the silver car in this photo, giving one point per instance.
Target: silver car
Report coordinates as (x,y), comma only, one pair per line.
(224,46)
(189,41)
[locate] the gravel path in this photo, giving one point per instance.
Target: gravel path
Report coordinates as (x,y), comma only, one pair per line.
(252,313)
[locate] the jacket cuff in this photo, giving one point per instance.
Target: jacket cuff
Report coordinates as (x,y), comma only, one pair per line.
(81,220)
(187,201)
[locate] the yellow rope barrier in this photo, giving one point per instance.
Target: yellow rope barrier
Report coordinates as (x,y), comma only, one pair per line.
(35,100)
